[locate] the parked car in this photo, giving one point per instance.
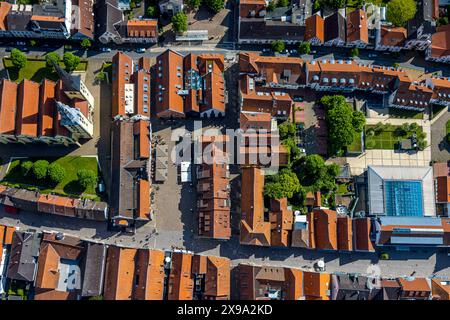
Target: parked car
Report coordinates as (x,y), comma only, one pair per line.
(294,51)
(298,98)
(313,52)
(372,55)
(140,50)
(266,50)
(105,49)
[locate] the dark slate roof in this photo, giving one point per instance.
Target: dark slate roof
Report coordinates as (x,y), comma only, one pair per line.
(277,13)
(349,287)
(17,21)
(335,27)
(94,270)
(23,258)
(125,171)
(423,17)
(107,15)
(252,28)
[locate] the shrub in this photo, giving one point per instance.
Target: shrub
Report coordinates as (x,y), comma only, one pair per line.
(71,61)
(86,178)
(56,173)
(278,45)
(50,58)
(40,169)
(384,256)
(370,143)
(25,167)
(179,22)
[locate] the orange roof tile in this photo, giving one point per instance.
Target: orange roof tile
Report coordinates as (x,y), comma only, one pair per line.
(344,233)
(316,285)
(150,272)
(5,7)
(440,288)
(440,42)
(357,29)
(254,230)
(144,199)
(362,234)
(119,274)
(8,106)
(443,189)
(181,283)
(314,28)
(9,231)
(323,229)
(122,69)
(393,37)
(28,108)
(47,108)
(48,268)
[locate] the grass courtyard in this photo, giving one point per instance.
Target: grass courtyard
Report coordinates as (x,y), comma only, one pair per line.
(36,70)
(388,136)
(69,186)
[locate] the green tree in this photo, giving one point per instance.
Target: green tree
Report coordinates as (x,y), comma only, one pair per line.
(86,44)
(283,184)
(194,4)
(33,42)
(40,168)
(401,11)
(336,4)
(50,58)
(314,173)
(271,6)
(278,45)
(25,167)
(179,22)
(283,3)
(354,52)
(18,58)
(442,21)
(86,178)
(358,121)
(339,118)
(215,5)
(316,5)
(152,11)
(287,129)
(304,47)
(56,173)
(71,61)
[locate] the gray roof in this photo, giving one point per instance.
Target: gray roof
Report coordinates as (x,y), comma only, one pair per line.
(94,270)
(335,27)
(107,16)
(258,28)
(23,258)
(349,287)
(378,174)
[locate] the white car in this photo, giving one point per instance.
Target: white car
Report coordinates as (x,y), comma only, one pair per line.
(140,50)
(105,49)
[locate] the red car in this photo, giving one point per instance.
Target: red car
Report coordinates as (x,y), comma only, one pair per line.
(9,209)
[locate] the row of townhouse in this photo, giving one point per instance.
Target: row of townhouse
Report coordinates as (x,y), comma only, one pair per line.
(131,170)
(113,27)
(52,113)
(193,85)
(55,266)
(365,27)
(268,84)
(76,20)
(61,267)
(33,201)
(401,214)
(281,283)
(72,19)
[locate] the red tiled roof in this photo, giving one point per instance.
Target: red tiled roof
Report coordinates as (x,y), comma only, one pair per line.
(181,282)
(119,274)
(8,106)
(393,37)
(122,69)
(142,28)
(314,28)
(323,229)
(440,42)
(47,108)
(27,109)
(150,275)
(357,29)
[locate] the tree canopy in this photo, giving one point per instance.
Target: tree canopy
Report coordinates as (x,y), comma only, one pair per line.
(304,47)
(56,173)
(278,45)
(152,11)
(342,122)
(215,5)
(313,172)
(50,58)
(86,178)
(194,4)
(354,52)
(179,22)
(18,58)
(40,168)
(283,3)
(284,184)
(86,43)
(400,11)
(71,61)
(25,167)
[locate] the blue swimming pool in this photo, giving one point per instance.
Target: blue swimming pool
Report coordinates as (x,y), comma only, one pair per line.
(403,198)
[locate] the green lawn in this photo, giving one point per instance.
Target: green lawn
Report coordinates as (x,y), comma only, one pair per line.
(36,70)
(356,145)
(68,187)
(387,138)
(405,114)
(447,130)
